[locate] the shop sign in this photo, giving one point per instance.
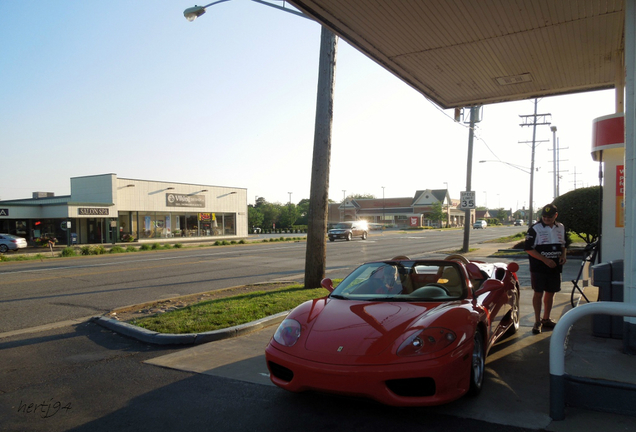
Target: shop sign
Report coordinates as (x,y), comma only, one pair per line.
(620,196)
(92,211)
(4,212)
(180,200)
(205,217)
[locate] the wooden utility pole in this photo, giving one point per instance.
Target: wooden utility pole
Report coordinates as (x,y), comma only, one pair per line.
(316,254)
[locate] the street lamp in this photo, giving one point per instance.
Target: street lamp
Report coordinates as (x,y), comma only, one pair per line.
(555,157)
(194,12)
(447,207)
(383,217)
(344,206)
(316,250)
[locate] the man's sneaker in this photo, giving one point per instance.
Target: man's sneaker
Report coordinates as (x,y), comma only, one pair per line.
(536,329)
(548,323)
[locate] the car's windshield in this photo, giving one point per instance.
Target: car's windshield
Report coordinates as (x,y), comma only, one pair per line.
(342,226)
(404,281)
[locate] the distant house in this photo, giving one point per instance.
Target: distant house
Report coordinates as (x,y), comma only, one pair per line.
(400,212)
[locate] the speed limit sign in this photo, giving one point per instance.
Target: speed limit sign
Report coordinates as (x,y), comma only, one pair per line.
(467,200)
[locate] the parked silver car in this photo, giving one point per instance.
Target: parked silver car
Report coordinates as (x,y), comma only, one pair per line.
(10,242)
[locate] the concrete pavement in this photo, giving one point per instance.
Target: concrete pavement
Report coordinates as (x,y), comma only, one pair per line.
(517,387)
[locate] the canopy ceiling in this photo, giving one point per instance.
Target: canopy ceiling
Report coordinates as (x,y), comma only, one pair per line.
(461,53)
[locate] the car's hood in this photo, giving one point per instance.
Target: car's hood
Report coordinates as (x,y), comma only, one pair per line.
(354,328)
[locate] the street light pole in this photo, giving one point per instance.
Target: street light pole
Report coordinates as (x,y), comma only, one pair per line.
(474,111)
(555,172)
(383,207)
(316,249)
(447,206)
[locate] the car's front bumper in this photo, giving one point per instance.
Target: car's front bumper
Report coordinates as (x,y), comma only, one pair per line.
(416,383)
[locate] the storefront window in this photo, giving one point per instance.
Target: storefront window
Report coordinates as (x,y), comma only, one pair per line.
(229,224)
(192,226)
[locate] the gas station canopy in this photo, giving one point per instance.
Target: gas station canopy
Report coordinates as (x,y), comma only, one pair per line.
(462,53)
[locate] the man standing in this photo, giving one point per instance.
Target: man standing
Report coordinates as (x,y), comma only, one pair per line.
(546,248)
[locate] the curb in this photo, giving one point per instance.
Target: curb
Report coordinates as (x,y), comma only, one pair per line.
(156,338)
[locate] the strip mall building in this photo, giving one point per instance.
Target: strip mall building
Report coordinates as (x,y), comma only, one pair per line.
(108,209)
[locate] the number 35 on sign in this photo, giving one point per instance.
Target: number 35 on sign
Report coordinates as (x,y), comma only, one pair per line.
(467,200)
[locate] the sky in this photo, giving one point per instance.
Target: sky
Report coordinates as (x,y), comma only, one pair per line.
(133,88)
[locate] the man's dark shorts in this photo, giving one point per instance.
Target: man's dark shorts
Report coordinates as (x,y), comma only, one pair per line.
(545,282)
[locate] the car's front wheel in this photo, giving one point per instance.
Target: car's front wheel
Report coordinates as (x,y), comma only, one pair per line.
(477,365)
(4,248)
(349,236)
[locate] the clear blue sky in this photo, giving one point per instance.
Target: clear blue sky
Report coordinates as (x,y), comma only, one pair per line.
(133,88)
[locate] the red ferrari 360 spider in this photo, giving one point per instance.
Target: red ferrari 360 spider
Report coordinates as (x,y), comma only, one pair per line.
(403,332)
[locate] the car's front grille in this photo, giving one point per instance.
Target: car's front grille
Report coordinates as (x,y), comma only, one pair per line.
(412,387)
(280,372)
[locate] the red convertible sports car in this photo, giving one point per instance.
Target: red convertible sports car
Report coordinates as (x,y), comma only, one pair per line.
(403,332)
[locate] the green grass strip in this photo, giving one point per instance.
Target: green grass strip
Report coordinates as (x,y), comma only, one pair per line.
(228,312)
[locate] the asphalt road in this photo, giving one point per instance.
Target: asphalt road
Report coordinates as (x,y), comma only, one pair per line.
(81,377)
(36,293)
(84,378)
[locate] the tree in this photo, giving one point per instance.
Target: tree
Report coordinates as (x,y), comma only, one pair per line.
(579,212)
(502,215)
(303,212)
(254,217)
(437,213)
(271,213)
(288,215)
(361,196)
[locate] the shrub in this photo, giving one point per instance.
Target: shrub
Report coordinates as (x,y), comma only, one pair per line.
(85,250)
(68,252)
(579,212)
(131,248)
(145,247)
(178,245)
(241,241)
(99,250)
(117,249)
(218,243)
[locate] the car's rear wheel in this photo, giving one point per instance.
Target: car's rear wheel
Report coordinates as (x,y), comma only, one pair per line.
(331,239)
(364,235)
(349,237)
(3,248)
(478,364)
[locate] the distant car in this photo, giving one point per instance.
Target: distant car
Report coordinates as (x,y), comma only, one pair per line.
(10,242)
(480,224)
(404,332)
(518,223)
(348,230)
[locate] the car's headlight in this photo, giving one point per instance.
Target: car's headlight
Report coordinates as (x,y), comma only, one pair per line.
(426,341)
(288,332)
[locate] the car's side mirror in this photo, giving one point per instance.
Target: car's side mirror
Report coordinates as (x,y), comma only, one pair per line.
(327,284)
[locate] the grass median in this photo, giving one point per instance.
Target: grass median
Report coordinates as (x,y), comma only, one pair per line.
(229,311)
